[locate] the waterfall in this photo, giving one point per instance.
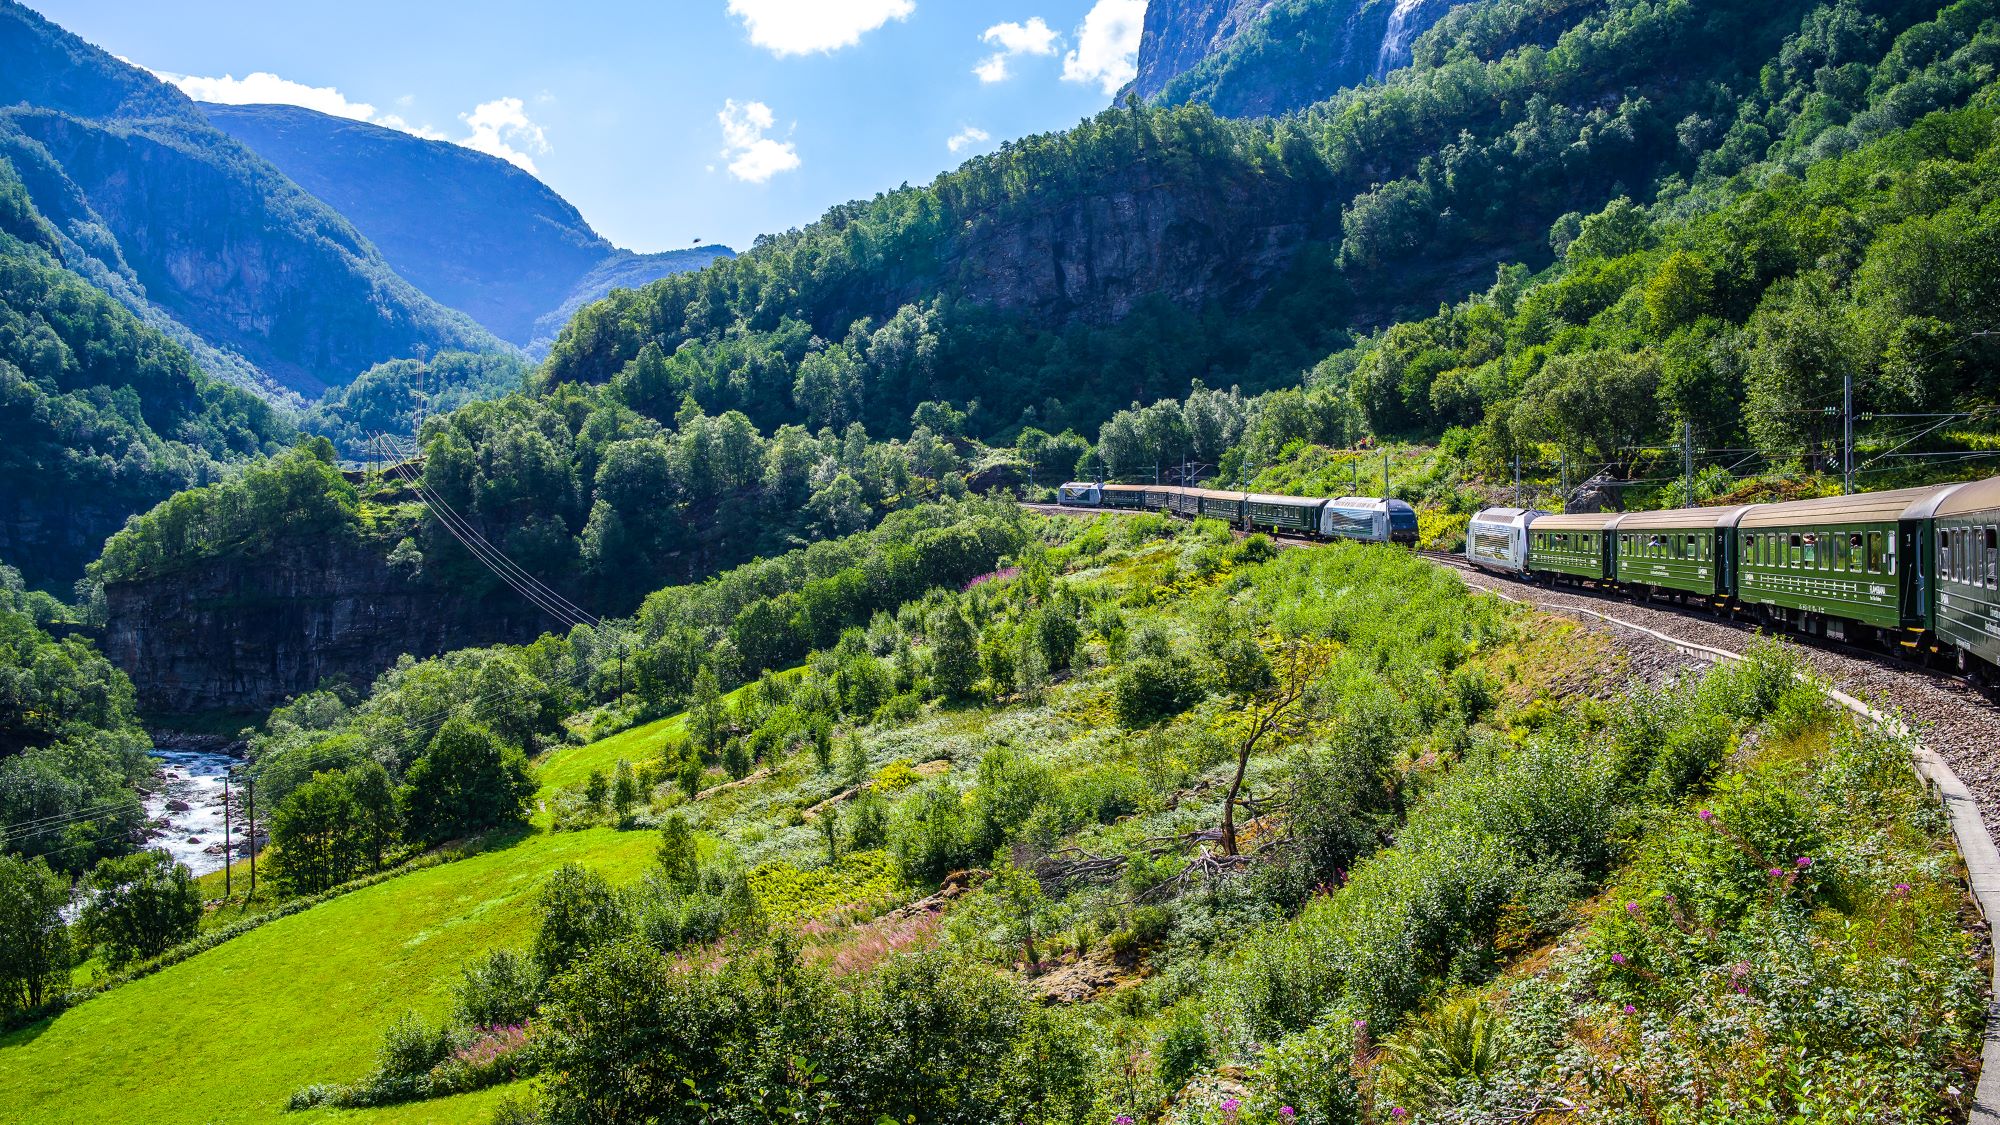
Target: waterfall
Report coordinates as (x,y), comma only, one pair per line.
(1396,39)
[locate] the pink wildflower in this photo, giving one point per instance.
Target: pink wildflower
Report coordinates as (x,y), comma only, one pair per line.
(1629,1009)
(1631,908)
(1618,958)
(1804,861)
(1705,814)
(1287,1112)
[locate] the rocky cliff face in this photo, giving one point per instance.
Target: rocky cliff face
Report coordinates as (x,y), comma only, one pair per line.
(1255,58)
(1146,233)
(1179,34)
(244,634)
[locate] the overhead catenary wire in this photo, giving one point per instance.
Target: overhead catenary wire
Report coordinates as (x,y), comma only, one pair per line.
(516,577)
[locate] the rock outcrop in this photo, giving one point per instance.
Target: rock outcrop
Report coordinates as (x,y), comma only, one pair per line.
(1257,58)
(1145,233)
(243,635)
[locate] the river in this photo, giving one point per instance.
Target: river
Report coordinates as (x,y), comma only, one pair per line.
(184,812)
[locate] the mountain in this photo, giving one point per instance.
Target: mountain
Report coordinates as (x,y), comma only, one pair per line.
(202,238)
(471,230)
(1072,273)
(1251,58)
(100,415)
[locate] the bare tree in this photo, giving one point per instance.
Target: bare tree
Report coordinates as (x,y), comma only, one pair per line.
(1272,711)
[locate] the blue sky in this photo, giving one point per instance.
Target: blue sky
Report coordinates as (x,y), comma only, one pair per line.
(663,123)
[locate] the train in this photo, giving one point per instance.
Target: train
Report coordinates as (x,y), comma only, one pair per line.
(1915,569)
(1367,519)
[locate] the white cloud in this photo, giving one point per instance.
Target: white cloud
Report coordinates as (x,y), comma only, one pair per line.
(499,126)
(753,157)
(1107,46)
(801,27)
(1035,37)
(967,137)
(265,88)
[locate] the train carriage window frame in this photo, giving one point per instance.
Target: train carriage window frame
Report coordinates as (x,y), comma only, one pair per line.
(1993,558)
(1877,560)
(1792,552)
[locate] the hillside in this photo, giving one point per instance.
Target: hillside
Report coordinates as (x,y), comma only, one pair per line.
(101,416)
(1073,273)
(998,821)
(202,238)
(471,230)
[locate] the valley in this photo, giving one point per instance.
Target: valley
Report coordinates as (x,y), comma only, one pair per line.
(882,673)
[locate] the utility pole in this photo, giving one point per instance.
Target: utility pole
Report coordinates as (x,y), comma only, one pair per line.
(1562,470)
(1687,458)
(1847,436)
(228,845)
(1517,480)
(1385,474)
(250,782)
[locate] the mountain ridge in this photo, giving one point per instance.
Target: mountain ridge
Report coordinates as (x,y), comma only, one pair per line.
(473,231)
(184,224)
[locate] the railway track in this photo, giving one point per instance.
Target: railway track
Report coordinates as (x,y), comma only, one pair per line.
(1957,725)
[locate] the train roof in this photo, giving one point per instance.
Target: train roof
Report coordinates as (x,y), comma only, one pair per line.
(1216,494)
(1865,507)
(1124,488)
(1083,484)
(1705,519)
(1580,521)
(1296,501)
(1975,496)
(1371,503)
(1509,517)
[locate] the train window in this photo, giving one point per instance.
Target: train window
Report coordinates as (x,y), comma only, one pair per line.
(1839,554)
(1993,558)
(1792,555)
(1812,552)
(1958,553)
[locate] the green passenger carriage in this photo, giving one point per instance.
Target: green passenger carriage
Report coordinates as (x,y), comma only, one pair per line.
(1964,535)
(1296,514)
(1819,564)
(1226,506)
(1574,546)
(1129,496)
(1684,549)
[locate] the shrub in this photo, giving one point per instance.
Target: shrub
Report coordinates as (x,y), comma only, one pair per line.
(1151,688)
(498,990)
(579,913)
(140,906)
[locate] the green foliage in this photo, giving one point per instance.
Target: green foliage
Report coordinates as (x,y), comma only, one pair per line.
(579,912)
(467,781)
(71,748)
(34,940)
(500,989)
(139,906)
(101,415)
(329,829)
(300,492)
(386,398)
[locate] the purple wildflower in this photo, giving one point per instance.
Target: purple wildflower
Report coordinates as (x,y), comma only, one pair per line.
(1629,1009)
(1398,1112)
(1804,861)
(1361,1024)
(1618,958)
(1287,1112)
(1122,1119)
(1777,872)
(1902,889)
(1631,908)
(1706,814)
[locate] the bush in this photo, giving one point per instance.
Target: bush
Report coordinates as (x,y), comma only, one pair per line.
(466,782)
(140,906)
(1152,688)
(498,990)
(579,913)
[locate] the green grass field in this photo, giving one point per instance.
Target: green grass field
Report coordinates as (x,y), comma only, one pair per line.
(565,766)
(228,1035)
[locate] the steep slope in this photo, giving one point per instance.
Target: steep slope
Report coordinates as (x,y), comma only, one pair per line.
(1251,58)
(100,415)
(1072,273)
(471,230)
(189,228)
